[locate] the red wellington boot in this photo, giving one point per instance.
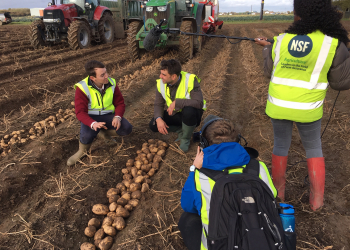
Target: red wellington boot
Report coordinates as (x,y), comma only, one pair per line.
(316,167)
(279,166)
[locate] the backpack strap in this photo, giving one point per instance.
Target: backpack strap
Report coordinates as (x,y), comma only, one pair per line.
(253,167)
(215,175)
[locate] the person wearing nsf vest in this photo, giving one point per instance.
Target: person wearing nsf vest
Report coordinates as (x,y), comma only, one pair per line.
(223,151)
(302,63)
(181,93)
(99,106)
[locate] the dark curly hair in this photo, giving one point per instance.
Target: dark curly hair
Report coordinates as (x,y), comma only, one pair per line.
(318,15)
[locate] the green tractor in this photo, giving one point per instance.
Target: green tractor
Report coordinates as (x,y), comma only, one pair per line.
(184,15)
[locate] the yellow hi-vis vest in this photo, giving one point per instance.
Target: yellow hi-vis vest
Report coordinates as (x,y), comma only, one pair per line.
(183,91)
(98,104)
(299,81)
(205,186)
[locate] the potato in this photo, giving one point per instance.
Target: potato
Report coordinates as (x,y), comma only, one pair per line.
(146,177)
(125,171)
(119,223)
(121,187)
(94,222)
(99,234)
(113,206)
(144,187)
(122,212)
(151,172)
(145,168)
(137,159)
(161,153)
(113,198)
(145,162)
(151,141)
(146,151)
(138,151)
(87,246)
(32,137)
(127,183)
(139,179)
(155,165)
(100,209)
(112,191)
(106,243)
(149,157)
(110,230)
(148,181)
(133,202)
(127,177)
(128,207)
(90,231)
(126,196)
(107,221)
(164,144)
(160,142)
(134,171)
(130,163)
(111,215)
(138,164)
(154,150)
(135,186)
(122,202)
(157,158)
(136,194)
(145,145)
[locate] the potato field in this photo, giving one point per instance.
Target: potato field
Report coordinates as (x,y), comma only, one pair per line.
(46,205)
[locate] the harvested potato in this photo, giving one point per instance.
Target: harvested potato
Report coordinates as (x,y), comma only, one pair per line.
(138,151)
(146,177)
(90,231)
(127,183)
(112,191)
(32,137)
(151,172)
(159,142)
(145,145)
(94,222)
(122,202)
(145,168)
(145,162)
(148,181)
(119,223)
(144,187)
(139,179)
(107,221)
(122,212)
(127,177)
(110,230)
(128,207)
(134,171)
(136,194)
(126,196)
(100,209)
(111,215)
(138,164)
(164,144)
(97,242)
(151,141)
(150,157)
(133,202)
(130,163)
(154,150)
(121,187)
(135,186)
(99,234)
(87,246)
(145,150)
(155,165)
(106,243)
(125,171)
(157,158)
(113,206)
(113,198)
(137,159)
(161,153)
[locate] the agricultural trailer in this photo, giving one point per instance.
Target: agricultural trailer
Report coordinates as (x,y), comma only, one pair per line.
(78,22)
(211,21)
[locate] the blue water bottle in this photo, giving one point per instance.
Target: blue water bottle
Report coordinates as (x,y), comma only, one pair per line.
(287,217)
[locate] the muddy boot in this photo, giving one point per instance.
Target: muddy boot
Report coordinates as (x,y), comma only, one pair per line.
(316,169)
(83,148)
(187,132)
(279,166)
(176,129)
(106,134)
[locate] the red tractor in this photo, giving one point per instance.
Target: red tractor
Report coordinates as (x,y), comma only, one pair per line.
(77,22)
(211,20)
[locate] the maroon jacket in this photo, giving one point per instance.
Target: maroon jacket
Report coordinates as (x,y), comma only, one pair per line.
(81,104)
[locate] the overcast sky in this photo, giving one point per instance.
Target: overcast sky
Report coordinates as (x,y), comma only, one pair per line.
(225,5)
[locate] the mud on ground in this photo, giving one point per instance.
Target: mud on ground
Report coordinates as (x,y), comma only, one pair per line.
(55,201)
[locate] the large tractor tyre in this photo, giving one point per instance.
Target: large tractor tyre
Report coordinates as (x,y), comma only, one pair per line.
(133,44)
(79,35)
(34,33)
(186,42)
(106,28)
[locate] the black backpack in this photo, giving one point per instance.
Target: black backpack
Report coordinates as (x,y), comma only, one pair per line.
(243,212)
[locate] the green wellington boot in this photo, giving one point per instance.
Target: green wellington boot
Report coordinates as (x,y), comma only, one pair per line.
(187,132)
(176,129)
(83,148)
(106,134)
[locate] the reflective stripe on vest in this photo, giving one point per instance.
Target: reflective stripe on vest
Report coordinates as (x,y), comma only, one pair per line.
(103,111)
(298,84)
(205,186)
(183,91)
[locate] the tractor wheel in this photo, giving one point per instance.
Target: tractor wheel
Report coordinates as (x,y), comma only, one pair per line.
(186,42)
(133,44)
(35,37)
(106,28)
(79,35)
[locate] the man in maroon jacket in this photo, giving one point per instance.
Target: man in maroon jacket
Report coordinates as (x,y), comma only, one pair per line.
(99,106)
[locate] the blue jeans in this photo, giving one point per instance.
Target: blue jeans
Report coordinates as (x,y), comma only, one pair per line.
(87,135)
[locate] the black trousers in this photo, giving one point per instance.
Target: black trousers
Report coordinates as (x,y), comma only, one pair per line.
(189,115)
(190,226)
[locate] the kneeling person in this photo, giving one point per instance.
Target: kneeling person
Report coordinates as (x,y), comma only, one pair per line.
(99,106)
(181,93)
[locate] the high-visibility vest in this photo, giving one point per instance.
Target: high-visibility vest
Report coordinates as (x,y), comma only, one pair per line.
(205,186)
(183,91)
(299,81)
(98,104)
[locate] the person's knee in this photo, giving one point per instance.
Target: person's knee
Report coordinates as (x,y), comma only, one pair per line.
(125,129)
(153,126)
(86,138)
(189,116)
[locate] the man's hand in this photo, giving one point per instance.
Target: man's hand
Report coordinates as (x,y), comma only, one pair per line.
(198,161)
(162,127)
(171,108)
(116,123)
(262,41)
(99,125)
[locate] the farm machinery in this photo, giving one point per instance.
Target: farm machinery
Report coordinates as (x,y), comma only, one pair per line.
(190,16)
(78,22)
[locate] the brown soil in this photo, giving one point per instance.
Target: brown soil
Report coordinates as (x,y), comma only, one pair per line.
(55,201)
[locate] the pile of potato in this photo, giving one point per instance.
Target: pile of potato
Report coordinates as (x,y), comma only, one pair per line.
(125,196)
(22,136)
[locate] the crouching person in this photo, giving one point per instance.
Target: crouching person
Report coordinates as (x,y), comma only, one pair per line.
(99,106)
(221,152)
(182,95)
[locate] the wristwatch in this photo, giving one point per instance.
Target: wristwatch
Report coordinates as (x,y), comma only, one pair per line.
(192,168)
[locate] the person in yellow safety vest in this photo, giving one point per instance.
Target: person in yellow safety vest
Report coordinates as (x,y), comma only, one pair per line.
(181,93)
(221,151)
(99,106)
(302,63)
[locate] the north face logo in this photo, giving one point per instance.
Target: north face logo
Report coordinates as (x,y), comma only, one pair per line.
(248,200)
